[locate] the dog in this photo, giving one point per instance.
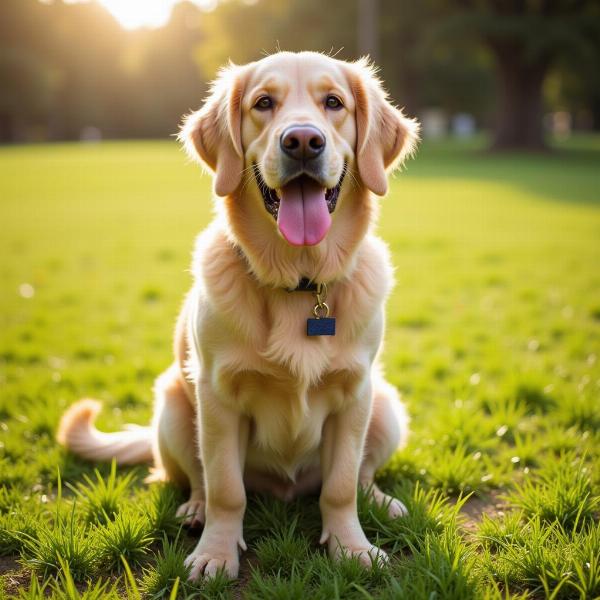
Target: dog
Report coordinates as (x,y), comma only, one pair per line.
(263,394)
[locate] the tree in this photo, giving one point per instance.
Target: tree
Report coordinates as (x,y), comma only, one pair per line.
(26,83)
(424,68)
(244,31)
(418,68)
(526,38)
(65,66)
(368,28)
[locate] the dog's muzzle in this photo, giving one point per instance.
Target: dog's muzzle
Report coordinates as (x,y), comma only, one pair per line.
(302,207)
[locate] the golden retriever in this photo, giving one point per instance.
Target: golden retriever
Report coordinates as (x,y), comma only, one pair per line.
(262,394)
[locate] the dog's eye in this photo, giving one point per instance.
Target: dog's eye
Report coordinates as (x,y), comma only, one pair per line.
(264,103)
(333,102)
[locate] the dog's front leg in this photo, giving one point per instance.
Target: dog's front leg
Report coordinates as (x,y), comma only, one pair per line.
(341,454)
(223,435)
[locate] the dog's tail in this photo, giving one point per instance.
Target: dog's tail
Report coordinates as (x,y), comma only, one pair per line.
(78,433)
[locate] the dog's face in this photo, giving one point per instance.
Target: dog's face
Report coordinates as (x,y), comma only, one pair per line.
(299,130)
(299,135)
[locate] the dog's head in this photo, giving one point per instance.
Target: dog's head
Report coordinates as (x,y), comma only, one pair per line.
(299,131)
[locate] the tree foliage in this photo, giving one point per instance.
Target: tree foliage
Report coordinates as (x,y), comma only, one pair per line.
(65,66)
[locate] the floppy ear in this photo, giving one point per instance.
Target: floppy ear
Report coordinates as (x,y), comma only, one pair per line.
(213,133)
(385,137)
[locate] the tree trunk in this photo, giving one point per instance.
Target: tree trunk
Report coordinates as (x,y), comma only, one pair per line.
(7,132)
(519,120)
(368,28)
(595,110)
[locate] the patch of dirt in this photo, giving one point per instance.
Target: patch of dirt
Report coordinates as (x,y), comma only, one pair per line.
(14,576)
(8,563)
(474,509)
(249,560)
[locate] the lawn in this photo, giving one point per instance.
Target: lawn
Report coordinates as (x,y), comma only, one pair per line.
(493,338)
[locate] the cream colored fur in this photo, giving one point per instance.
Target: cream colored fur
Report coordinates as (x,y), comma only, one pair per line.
(251,402)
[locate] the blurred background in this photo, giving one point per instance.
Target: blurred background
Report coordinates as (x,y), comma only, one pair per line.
(493,329)
(80,69)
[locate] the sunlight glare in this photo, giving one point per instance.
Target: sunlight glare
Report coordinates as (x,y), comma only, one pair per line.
(132,14)
(137,13)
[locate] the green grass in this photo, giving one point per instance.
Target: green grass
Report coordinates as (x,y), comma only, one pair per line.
(493,337)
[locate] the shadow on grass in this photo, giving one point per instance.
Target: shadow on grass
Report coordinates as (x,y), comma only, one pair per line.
(568,172)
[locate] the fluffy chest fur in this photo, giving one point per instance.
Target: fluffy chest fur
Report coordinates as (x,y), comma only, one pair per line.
(250,342)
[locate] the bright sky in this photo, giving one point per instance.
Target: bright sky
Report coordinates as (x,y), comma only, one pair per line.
(132,14)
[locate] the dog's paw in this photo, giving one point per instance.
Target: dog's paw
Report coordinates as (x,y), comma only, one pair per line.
(348,540)
(366,553)
(395,508)
(192,513)
(208,560)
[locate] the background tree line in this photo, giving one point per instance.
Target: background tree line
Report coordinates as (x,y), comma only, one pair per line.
(68,67)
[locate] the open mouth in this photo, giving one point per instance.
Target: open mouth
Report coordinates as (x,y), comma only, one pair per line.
(302,207)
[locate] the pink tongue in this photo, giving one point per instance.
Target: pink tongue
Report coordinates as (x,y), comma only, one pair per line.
(303,216)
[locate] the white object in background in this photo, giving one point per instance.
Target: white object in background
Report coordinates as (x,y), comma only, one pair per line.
(89,133)
(463,125)
(434,123)
(561,124)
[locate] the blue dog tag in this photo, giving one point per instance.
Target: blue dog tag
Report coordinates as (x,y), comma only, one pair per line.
(322,326)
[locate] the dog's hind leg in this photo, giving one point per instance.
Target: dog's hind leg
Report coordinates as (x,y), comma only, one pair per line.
(177,452)
(388,430)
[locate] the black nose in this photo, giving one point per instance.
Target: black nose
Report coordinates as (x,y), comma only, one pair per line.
(302,142)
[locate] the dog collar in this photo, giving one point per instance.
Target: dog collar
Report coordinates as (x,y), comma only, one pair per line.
(321,323)
(304,285)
